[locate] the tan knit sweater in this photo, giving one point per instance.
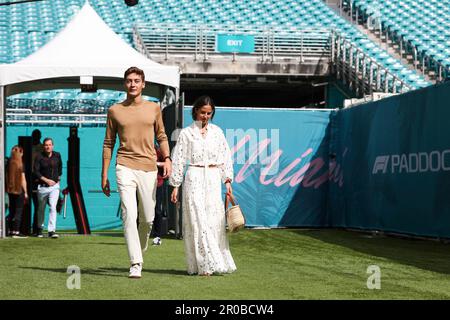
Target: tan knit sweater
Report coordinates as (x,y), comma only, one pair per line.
(137,127)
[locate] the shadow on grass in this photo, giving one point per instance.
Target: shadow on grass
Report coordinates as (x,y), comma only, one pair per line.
(97,272)
(163,271)
(109,234)
(111,272)
(157,271)
(112,243)
(426,255)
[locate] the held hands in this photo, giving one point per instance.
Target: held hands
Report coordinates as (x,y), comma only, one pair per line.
(105,186)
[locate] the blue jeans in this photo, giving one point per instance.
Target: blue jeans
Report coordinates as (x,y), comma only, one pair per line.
(50,195)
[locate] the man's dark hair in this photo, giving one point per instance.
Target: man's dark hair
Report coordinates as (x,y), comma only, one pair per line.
(136,70)
(200,102)
(47,139)
(131,3)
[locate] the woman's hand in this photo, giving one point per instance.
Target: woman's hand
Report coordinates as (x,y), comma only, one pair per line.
(174,195)
(228,186)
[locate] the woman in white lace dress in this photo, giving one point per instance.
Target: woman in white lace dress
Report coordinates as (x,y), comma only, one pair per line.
(202,161)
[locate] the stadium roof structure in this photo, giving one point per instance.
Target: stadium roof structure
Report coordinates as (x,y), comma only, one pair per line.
(85,47)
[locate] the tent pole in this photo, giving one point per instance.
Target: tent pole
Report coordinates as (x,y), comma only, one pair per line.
(177,100)
(178,125)
(2,161)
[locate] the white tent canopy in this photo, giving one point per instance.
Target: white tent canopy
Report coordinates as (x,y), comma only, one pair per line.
(86,47)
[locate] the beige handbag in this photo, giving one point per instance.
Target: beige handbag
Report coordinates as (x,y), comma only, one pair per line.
(235,218)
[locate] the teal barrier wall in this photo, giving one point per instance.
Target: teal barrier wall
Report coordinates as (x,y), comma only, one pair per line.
(384,165)
(280,164)
(101,210)
(395,159)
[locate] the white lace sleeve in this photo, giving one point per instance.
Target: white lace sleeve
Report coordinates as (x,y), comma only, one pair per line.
(226,170)
(179,160)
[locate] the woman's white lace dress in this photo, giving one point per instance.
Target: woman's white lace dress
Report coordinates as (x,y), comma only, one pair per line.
(204,233)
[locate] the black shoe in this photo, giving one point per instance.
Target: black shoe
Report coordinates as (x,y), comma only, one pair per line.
(19,235)
(53,235)
(39,233)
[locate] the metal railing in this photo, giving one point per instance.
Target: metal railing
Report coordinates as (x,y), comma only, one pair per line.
(351,64)
(422,61)
(25,116)
(199,42)
(361,72)
(20,111)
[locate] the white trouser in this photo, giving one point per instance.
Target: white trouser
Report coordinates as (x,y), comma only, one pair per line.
(50,194)
(144,182)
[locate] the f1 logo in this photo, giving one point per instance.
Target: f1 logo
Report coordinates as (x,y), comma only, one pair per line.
(381,163)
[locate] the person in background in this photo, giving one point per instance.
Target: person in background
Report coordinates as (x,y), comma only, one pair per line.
(159,210)
(48,170)
(37,148)
(16,187)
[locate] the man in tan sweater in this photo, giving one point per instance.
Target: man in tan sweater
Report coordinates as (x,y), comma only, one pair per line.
(137,122)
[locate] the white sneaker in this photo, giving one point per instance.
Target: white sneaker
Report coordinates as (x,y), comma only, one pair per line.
(157,241)
(135,271)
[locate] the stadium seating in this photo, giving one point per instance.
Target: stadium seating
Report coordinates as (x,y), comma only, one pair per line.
(68,101)
(26,27)
(423,27)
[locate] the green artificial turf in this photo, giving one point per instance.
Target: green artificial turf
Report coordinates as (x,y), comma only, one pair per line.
(272,264)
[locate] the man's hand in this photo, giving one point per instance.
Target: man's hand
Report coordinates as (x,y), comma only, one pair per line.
(174,195)
(50,182)
(167,168)
(105,186)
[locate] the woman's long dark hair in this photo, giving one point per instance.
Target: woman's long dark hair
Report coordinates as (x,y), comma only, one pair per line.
(200,102)
(14,171)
